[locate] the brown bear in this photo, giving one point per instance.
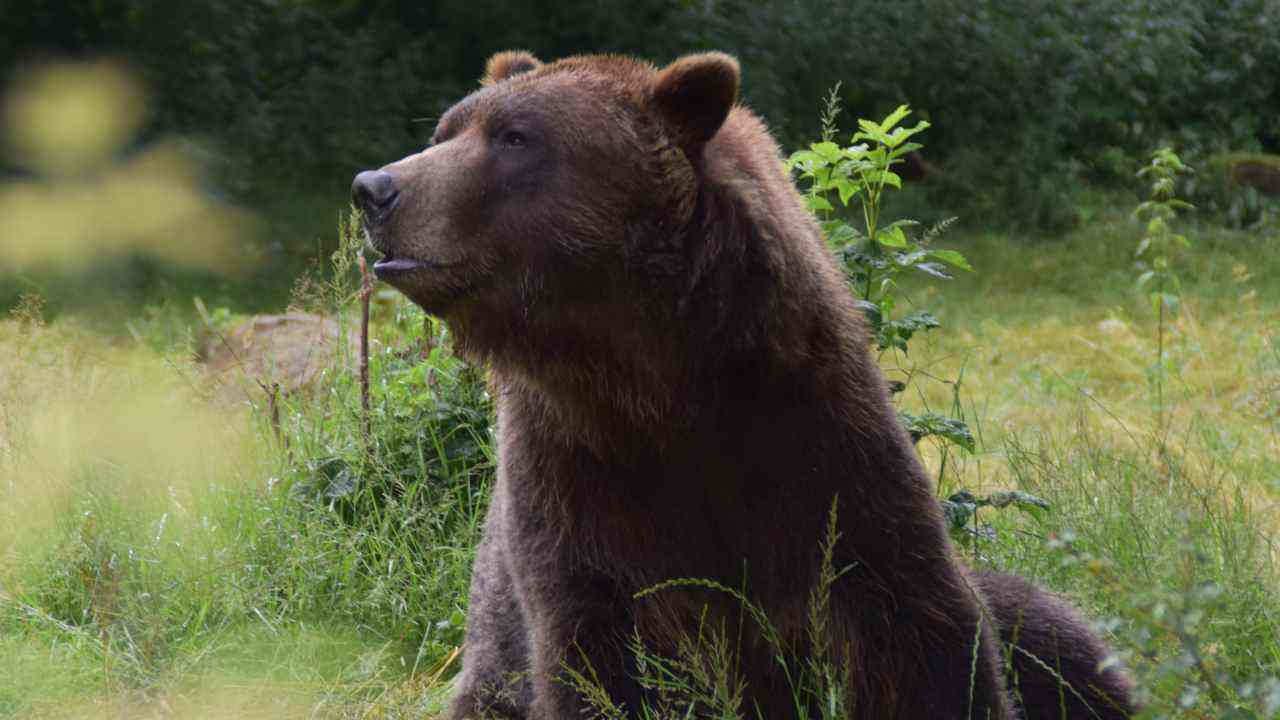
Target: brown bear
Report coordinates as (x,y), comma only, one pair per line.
(684,387)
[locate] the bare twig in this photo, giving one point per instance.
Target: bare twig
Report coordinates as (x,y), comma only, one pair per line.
(366,292)
(273,411)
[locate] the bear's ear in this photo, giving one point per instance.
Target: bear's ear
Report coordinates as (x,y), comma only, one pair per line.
(694,96)
(506,64)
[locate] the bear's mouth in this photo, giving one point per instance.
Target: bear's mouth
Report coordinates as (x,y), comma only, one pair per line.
(393,267)
(434,285)
(390,267)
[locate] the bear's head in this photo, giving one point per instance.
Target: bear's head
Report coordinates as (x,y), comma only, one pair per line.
(560,189)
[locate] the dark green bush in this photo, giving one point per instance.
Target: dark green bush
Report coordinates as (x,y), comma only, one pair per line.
(1028,95)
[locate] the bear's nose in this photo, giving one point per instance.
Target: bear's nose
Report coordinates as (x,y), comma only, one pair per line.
(373,192)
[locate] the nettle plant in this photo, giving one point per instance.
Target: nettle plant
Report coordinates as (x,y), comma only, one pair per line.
(877,255)
(1157,252)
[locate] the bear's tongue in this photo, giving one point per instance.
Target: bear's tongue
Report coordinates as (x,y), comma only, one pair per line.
(390,267)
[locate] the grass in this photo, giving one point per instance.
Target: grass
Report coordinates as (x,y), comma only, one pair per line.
(162,552)
(161,546)
(1170,536)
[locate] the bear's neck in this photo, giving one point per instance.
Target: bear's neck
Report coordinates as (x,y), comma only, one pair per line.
(600,374)
(627,373)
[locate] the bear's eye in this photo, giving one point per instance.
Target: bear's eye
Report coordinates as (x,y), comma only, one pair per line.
(513,139)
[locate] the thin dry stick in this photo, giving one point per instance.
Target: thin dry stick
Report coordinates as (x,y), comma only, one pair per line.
(273,411)
(366,292)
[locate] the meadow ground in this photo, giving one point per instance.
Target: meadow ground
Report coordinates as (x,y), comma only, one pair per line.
(166,554)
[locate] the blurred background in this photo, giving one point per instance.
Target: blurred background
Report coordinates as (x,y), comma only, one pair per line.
(277,103)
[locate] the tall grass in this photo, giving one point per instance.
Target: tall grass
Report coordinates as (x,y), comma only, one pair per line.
(1165,533)
(154,535)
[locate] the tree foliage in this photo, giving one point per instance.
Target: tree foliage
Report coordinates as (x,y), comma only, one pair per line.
(1024,92)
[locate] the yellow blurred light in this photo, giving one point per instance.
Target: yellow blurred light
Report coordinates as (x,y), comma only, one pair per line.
(68,123)
(68,118)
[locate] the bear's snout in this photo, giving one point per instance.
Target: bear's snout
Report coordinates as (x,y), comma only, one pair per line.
(374,192)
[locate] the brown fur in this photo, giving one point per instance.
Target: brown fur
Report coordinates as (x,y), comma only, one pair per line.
(507,64)
(683,388)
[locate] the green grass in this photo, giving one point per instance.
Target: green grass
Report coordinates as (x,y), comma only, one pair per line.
(1169,537)
(161,546)
(165,552)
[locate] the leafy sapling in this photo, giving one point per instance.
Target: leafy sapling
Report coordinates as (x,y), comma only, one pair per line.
(1156,254)
(877,255)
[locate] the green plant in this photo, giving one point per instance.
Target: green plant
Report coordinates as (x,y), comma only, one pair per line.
(1174,643)
(961,510)
(1156,254)
(876,257)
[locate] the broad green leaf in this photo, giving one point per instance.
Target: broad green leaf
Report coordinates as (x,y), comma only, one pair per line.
(816,203)
(832,225)
(904,149)
(869,126)
(1143,209)
(958,513)
(839,233)
(895,117)
(1037,507)
(899,136)
(909,258)
(934,425)
(952,258)
(822,178)
(892,237)
(871,310)
(828,151)
(871,133)
(891,178)
(933,269)
(846,189)
(800,158)
(856,152)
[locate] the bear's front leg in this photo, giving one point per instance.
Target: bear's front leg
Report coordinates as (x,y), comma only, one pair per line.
(579,636)
(495,663)
(934,655)
(965,685)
